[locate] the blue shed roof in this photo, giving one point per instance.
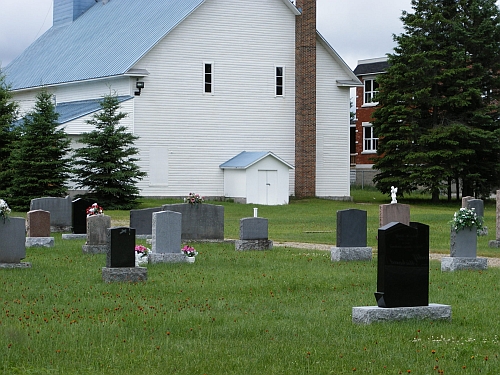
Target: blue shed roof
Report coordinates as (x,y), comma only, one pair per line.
(72,110)
(106,40)
(246,159)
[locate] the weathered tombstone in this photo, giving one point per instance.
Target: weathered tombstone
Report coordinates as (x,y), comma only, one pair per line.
(38,229)
(465,200)
(199,221)
(142,221)
(166,241)
(60,211)
(478,206)
(403,265)
(496,242)
(13,243)
(79,215)
(351,236)
(120,259)
(97,237)
(394,212)
(254,234)
(402,277)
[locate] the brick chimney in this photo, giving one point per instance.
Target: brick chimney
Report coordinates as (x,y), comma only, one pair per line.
(305,99)
(66,11)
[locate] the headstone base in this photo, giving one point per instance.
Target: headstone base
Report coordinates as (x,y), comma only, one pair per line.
(60,228)
(341,254)
(72,236)
(95,249)
(16,265)
(372,314)
(39,241)
(462,263)
(124,274)
(494,243)
(144,236)
(245,245)
(167,258)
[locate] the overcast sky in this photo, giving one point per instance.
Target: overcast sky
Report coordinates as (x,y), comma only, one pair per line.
(356,29)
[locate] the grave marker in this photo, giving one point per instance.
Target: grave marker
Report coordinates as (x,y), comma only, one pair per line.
(166,242)
(351,236)
(97,237)
(253,234)
(60,211)
(13,243)
(38,229)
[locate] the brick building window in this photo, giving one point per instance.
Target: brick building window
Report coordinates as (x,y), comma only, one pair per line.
(370,142)
(280,81)
(371,88)
(208,78)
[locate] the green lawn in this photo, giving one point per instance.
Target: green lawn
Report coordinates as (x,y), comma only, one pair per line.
(285,311)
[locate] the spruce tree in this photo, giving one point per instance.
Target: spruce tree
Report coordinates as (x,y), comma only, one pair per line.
(8,115)
(437,119)
(40,160)
(106,164)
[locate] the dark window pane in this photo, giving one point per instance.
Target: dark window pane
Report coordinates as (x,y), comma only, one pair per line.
(208,87)
(279,71)
(279,90)
(208,68)
(279,81)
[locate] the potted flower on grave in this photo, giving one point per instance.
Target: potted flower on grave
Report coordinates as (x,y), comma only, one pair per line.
(190,253)
(466,219)
(194,199)
(141,255)
(95,209)
(4,210)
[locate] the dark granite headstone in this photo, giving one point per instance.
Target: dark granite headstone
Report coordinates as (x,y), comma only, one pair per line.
(121,252)
(79,215)
(59,208)
(142,220)
(200,221)
(403,265)
(351,228)
(253,228)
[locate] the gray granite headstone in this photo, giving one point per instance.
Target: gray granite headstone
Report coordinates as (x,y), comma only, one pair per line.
(394,212)
(200,221)
(463,243)
(351,228)
(97,237)
(254,228)
(38,223)
(12,240)
(142,220)
(167,228)
(59,208)
(477,205)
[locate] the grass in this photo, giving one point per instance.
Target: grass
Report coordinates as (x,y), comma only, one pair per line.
(285,311)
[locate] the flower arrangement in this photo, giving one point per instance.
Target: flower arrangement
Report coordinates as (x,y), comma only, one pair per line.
(189,251)
(193,198)
(95,209)
(141,250)
(466,218)
(4,210)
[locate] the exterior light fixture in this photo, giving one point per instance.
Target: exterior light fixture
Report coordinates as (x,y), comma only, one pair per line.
(139,85)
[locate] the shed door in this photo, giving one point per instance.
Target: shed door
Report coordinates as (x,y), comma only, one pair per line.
(268,187)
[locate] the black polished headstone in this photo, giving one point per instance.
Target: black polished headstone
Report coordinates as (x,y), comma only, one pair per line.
(79,215)
(121,242)
(351,228)
(403,265)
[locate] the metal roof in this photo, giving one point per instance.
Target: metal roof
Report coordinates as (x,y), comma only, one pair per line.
(72,110)
(371,68)
(106,40)
(246,159)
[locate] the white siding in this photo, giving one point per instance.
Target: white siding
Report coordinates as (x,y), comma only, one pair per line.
(201,131)
(332,127)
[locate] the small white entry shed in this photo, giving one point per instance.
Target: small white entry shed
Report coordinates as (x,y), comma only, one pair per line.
(257,177)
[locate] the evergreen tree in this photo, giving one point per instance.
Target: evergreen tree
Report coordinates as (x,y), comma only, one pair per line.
(437,119)
(106,165)
(40,159)
(8,115)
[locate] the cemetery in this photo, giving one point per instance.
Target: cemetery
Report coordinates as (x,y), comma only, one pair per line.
(260,297)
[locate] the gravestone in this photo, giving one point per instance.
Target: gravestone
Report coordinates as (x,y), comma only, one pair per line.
(254,234)
(496,242)
(394,212)
(120,258)
(199,221)
(351,236)
(142,221)
(403,265)
(60,212)
(166,241)
(97,237)
(465,200)
(38,229)
(13,243)
(79,215)
(478,206)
